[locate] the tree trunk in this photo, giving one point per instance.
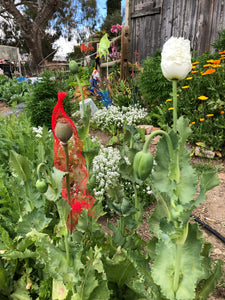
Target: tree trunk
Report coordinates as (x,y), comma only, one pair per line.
(32,30)
(35,45)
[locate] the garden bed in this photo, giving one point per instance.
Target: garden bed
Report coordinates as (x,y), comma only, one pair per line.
(211,212)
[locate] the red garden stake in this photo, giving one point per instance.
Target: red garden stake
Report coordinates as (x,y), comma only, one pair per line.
(68,158)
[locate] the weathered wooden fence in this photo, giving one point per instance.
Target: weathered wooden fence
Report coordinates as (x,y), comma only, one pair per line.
(154,22)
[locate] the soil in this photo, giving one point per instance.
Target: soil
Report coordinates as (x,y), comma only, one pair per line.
(211,212)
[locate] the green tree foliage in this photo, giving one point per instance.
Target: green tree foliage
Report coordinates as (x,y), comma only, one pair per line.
(112,6)
(26,23)
(113,15)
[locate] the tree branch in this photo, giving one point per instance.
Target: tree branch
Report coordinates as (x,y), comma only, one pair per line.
(11,8)
(50,7)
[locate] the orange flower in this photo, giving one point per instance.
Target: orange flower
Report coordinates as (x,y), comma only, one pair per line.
(216,62)
(193,123)
(222,52)
(195,63)
(209,71)
(222,112)
(201,120)
(193,72)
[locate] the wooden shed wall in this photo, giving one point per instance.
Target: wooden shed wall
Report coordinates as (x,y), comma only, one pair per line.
(153,22)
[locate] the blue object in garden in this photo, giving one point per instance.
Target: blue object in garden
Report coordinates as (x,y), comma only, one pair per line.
(20,79)
(94,85)
(106,100)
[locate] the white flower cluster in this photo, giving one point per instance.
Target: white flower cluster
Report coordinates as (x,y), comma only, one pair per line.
(105,166)
(116,117)
(38,130)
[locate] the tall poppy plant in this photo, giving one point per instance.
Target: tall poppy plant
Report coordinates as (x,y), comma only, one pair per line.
(68,158)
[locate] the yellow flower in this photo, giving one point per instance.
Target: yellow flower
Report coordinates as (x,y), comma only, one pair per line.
(217,66)
(193,123)
(193,72)
(178,95)
(193,67)
(169,100)
(201,120)
(195,63)
(203,98)
(210,115)
(210,61)
(171,108)
(207,65)
(189,78)
(185,87)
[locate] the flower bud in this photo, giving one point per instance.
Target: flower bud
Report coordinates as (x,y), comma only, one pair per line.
(73,66)
(142,165)
(41,185)
(176,58)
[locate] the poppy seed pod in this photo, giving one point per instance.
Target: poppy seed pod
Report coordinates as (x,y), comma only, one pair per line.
(63,131)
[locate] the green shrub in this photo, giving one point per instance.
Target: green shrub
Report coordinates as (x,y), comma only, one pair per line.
(219,44)
(153,86)
(42,100)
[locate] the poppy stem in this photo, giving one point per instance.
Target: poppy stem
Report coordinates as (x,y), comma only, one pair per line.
(175,105)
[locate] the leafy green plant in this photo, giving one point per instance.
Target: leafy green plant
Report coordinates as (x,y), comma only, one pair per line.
(219,44)
(42,100)
(151,83)
(13,92)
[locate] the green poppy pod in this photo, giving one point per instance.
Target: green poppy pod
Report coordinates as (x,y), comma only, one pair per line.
(41,186)
(73,66)
(142,165)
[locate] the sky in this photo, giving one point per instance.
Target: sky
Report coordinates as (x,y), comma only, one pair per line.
(66,47)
